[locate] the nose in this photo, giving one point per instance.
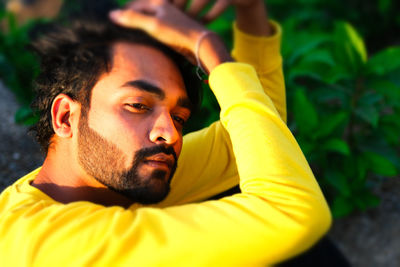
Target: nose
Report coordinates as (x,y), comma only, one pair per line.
(164,130)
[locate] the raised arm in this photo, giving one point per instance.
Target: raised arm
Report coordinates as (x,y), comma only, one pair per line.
(257,42)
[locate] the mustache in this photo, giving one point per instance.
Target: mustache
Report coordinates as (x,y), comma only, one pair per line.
(154,150)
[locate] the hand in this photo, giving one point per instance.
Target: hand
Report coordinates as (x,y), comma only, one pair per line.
(166,23)
(219,6)
(251,15)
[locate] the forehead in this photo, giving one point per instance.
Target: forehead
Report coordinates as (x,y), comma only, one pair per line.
(133,62)
(140,61)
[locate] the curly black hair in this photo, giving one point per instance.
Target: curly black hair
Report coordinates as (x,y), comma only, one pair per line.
(73,58)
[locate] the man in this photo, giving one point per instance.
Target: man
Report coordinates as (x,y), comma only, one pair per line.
(115,138)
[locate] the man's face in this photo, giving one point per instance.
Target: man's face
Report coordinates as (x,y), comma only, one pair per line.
(131,136)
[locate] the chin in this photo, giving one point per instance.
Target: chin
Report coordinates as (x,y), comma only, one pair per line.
(150,189)
(152,195)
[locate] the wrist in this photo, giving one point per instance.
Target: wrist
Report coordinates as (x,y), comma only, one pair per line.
(210,51)
(246,4)
(253,19)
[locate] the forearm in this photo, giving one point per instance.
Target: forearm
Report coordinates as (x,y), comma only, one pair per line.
(253,19)
(211,52)
(263,53)
(270,164)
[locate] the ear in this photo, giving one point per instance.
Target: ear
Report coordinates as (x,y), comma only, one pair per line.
(61,110)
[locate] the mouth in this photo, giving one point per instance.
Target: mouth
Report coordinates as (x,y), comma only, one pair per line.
(160,161)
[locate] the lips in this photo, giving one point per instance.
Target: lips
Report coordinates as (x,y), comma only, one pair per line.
(160,160)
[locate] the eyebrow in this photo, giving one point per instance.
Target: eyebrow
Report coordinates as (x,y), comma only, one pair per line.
(146,86)
(151,88)
(185,103)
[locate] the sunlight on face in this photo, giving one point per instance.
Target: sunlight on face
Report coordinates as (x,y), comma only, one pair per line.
(131,136)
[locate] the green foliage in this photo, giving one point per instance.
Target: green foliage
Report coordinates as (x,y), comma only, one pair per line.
(18,66)
(122,2)
(344,110)
(343,104)
(377,20)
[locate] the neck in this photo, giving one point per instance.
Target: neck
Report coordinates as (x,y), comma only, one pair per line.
(73,184)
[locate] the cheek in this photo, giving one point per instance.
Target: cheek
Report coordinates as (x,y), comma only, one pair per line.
(128,135)
(178,147)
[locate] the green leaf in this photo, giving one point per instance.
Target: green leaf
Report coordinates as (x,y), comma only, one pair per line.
(338,181)
(369,114)
(337,145)
(349,47)
(330,94)
(330,123)
(384,6)
(305,44)
(386,88)
(369,98)
(306,146)
(361,166)
(391,134)
(391,119)
(24,115)
(384,61)
(122,2)
(3,12)
(318,56)
(337,74)
(380,165)
(305,115)
(305,70)
(341,206)
(365,200)
(314,65)
(390,127)
(220,25)
(356,41)
(394,77)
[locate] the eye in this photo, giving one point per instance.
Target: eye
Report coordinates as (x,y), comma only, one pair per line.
(179,120)
(139,106)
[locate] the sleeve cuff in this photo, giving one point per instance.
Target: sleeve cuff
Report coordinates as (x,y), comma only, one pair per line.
(232,81)
(263,52)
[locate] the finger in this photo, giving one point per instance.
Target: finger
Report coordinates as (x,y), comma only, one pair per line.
(179,3)
(133,19)
(137,4)
(216,10)
(196,6)
(134,4)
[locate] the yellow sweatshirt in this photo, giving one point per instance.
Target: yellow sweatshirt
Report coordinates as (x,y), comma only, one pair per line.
(280,212)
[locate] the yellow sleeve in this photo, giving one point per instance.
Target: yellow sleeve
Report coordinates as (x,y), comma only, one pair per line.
(280,212)
(263,53)
(207,165)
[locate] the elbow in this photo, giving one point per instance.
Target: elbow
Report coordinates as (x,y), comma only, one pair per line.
(307,232)
(319,222)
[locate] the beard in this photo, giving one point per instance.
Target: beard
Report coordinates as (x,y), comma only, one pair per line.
(105,162)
